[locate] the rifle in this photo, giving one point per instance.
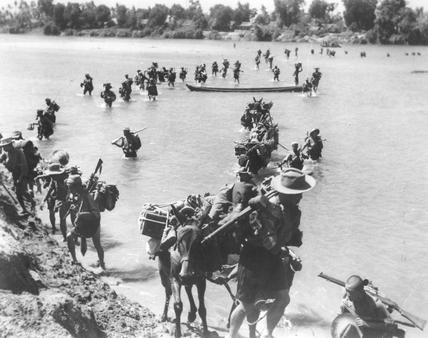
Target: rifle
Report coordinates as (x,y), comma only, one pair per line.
(239,215)
(283,146)
(416,321)
(132,132)
(92,180)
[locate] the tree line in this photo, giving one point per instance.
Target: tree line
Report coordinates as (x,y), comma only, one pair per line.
(384,21)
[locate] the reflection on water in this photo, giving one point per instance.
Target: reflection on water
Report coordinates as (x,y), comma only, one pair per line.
(367,213)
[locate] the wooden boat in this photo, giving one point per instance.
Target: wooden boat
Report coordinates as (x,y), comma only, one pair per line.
(245,90)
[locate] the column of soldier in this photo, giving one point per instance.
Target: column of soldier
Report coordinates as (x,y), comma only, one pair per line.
(196,239)
(147,80)
(62,190)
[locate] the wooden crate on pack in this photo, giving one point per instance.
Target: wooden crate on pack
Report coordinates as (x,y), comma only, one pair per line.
(153,221)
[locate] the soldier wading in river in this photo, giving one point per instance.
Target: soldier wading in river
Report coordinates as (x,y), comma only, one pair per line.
(266,267)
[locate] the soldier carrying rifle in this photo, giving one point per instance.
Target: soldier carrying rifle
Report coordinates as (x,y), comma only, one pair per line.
(366,314)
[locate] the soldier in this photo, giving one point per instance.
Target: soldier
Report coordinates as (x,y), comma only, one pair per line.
(129,143)
(266,267)
(108,95)
(371,316)
(87,85)
(87,222)
(294,159)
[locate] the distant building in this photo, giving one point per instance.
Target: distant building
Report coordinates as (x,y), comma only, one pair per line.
(245,26)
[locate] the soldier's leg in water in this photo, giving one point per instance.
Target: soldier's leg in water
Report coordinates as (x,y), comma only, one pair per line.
(277,310)
(96,239)
(238,315)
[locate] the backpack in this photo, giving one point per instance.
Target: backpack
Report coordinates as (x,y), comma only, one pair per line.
(106,196)
(136,142)
(111,196)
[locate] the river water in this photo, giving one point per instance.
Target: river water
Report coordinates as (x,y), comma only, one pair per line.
(367,214)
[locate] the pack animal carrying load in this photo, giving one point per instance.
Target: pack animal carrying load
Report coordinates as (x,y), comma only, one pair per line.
(152,221)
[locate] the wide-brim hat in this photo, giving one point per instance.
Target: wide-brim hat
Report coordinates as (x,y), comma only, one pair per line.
(6,141)
(295,144)
(292,181)
(54,169)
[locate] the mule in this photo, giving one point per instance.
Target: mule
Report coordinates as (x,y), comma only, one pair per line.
(191,263)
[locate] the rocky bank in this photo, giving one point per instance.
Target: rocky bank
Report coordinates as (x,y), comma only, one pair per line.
(42,294)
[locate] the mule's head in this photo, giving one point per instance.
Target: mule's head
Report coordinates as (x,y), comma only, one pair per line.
(189,250)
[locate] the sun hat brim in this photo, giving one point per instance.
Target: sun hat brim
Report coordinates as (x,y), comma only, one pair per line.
(309,183)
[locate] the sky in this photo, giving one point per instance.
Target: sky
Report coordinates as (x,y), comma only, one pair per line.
(207,4)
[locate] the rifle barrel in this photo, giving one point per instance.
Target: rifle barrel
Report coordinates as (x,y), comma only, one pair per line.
(242,213)
(332,279)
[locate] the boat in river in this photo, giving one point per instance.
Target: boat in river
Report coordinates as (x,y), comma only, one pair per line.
(245,89)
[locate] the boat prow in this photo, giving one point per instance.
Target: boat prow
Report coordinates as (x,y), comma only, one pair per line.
(245,89)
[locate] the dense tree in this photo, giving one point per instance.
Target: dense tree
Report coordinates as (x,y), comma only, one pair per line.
(288,11)
(88,15)
(221,17)
(388,16)
(195,13)
(263,17)
(359,14)
(46,7)
(132,20)
(242,13)
(177,12)
(121,15)
(158,15)
(321,9)
(58,15)
(102,15)
(72,15)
